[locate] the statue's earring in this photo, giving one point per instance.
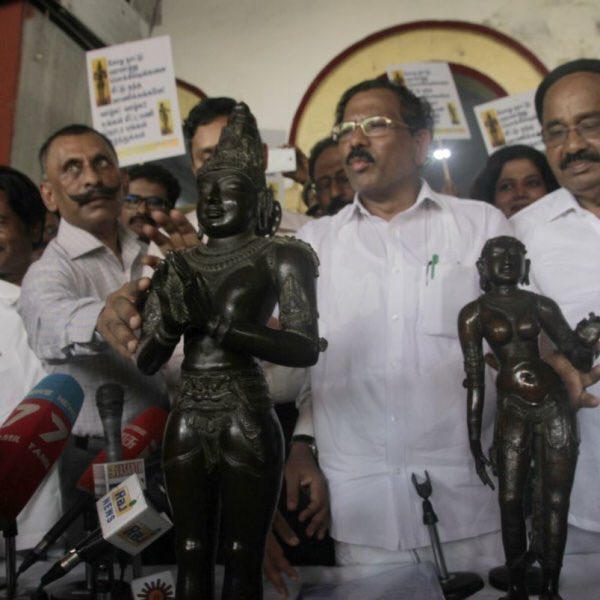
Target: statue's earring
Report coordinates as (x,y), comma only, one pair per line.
(525,278)
(484,282)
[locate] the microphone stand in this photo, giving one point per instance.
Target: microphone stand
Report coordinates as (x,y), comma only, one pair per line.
(455,586)
(9,531)
(99,581)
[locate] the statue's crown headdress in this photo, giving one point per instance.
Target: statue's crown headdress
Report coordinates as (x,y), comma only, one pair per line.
(241,149)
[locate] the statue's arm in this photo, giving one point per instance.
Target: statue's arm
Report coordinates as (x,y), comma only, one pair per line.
(471,337)
(297,343)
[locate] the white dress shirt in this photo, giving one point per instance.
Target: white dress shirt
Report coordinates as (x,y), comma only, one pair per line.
(387,393)
(61,297)
(563,244)
(20,371)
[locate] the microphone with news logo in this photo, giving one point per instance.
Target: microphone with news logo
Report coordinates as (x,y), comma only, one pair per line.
(140,438)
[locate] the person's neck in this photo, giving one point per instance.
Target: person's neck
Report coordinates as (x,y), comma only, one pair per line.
(109,236)
(14,278)
(590,200)
(388,204)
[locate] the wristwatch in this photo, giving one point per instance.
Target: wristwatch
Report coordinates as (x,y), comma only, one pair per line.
(308,440)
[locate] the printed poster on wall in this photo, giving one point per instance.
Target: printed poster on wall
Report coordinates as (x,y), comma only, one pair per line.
(509,120)
(434,81)
(133,97)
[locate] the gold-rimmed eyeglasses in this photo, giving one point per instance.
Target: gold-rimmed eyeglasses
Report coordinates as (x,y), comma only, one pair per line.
(371,127)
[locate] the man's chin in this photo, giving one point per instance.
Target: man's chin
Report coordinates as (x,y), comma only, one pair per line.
(137,226)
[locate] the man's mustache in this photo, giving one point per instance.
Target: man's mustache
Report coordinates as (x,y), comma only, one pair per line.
(95,194)
(588,154)
(144,219)
(359,152)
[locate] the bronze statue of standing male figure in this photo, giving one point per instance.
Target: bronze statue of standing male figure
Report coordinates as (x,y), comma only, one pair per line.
(535,423)
(223,448)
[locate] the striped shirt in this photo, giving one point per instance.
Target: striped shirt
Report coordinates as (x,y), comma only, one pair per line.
(61,298)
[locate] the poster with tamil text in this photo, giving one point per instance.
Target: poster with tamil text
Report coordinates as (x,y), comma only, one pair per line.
(133,98)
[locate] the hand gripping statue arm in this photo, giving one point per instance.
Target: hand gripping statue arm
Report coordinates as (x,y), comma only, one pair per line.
(469,327)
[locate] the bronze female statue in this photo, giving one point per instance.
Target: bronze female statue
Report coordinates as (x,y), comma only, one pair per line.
(223,449)
(535,423)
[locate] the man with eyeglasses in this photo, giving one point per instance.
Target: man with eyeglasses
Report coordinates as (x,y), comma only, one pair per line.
(328,179)
(562,234)
(396,266)
(151,187)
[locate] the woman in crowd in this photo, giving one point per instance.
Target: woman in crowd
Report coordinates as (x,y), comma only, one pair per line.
(513,178)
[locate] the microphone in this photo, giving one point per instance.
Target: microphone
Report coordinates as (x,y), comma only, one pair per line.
(33,436)
(93,546)
(109,400)
(140,438)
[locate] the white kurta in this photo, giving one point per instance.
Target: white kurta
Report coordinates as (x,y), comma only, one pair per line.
(387,394)
(563,244)
(20,371)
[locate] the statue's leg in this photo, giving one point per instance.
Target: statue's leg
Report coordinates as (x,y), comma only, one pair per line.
(193,496)
(558,462)
(513,456)
(250,488)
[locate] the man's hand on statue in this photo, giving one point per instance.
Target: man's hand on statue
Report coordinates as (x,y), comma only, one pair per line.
(275,563)
(120,318)
(180,233)
(481,462)
(576,382)
(303,476)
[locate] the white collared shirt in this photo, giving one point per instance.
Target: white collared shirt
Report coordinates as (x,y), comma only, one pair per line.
(20,371)
(387,393)
(61,297)
(563,244)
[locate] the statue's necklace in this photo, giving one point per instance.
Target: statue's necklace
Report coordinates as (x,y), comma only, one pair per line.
(210,258)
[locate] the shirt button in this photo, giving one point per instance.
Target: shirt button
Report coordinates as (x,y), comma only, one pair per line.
(394,364)
(393,418)
(394,317)
(395,270)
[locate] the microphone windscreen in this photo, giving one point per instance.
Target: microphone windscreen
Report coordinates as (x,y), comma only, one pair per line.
(33,437)
(140,438)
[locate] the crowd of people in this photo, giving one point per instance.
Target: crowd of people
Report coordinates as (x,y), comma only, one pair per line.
(398,261)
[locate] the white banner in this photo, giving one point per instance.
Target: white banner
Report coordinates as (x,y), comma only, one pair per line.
(133,97)
(434,82)
(509,120)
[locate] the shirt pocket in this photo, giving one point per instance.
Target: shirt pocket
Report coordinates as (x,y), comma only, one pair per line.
(443,294)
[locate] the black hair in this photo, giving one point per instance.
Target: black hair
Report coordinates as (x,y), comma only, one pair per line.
(416,112)
(315,152)
(157,174)
(205,112)
(24,199)
(484,185)
(73,129)
(586,65)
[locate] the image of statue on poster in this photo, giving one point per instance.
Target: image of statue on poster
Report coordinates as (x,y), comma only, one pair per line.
(509,120)
(434,81)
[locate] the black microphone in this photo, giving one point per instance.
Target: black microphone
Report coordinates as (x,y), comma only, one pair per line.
(83,503)
(93,546)
(109,400)
(140,437)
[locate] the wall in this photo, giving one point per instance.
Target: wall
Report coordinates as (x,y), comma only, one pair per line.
(267,52)
(11,18)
